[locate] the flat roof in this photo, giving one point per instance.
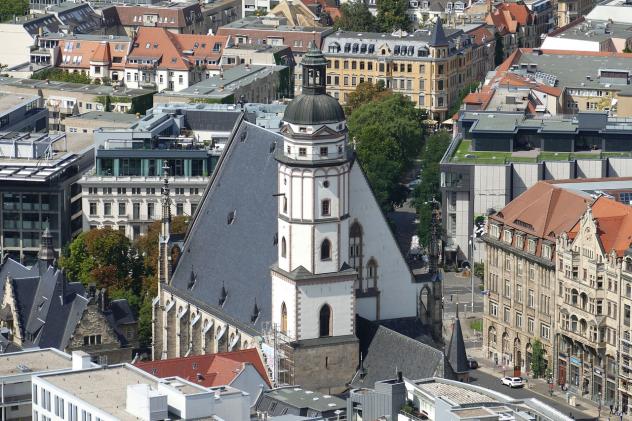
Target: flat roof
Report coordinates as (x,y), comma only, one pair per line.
(104,116)
(10,102)
(232,79)
(453,393)
(595,31)
(106,388)
(301,398)
(33,362)
(586,67)
(73,87)
(256,22)
(86,37)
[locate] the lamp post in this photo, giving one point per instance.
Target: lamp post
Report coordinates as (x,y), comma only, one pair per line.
(472,269)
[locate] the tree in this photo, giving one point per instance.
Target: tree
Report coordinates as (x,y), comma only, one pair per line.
(387,134)
(10,8)
(462,94)
(429,188)
(365,92)
(499,50)
(103,257)
(391,15)
(538,362)
(627,50)
(61,76)
(355,16)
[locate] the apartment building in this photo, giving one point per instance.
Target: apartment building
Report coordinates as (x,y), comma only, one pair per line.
(123,192)
(600,81)
(176,17)
(430,67)
(22,113)
(570,10)
(591,35)
(515,23)
(520,273)
(163,60)
(64,99)
(496,156)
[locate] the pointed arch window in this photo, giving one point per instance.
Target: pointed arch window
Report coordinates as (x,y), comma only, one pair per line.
(283,247)
(355,251)
(283,318)
(284,204)
(325,250)
(371,273)
(325,328)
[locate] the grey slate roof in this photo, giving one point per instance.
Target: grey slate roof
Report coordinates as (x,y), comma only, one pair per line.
(456,350)
(314,109)
(211,120)
(238,255)
(385,352)
(438,38)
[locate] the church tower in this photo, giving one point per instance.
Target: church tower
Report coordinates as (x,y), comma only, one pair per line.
(313,303)
(164,268)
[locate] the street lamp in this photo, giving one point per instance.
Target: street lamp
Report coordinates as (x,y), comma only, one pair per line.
(599,403)
(472,268)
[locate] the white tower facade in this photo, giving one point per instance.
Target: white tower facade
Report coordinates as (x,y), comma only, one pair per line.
(312,283)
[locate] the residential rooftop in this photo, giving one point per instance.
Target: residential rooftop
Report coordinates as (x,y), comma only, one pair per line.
(107,117)
(219,87)
(85,37)
(590,69)
(73,87)
(453,393)
(10,102)
(301,398)
(38,361)
(106,388)
(594,30)
(267,23)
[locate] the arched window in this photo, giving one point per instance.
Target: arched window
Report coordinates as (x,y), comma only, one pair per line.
(283,247)
(284,204)
(325,207)
(325,321)
(355,251)
(325,250)
(371,273)
(283,318)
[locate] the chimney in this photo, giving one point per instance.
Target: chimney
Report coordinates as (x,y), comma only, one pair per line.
(80,360)
(103,300)
(400,377)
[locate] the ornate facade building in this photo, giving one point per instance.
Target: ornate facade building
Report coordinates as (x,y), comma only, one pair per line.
(287,247)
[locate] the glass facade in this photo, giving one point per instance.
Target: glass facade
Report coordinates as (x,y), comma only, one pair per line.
(24,217)
(150,167)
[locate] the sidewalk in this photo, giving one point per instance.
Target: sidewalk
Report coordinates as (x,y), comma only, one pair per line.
(541,387)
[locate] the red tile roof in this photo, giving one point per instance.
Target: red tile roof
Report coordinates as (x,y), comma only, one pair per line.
(208,370)
(169,48)
(81,52)
(507,17)
(614,224)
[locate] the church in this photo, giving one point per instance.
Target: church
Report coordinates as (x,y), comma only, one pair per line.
(287,248)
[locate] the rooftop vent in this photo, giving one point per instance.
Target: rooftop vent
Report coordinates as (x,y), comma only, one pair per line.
(24,368)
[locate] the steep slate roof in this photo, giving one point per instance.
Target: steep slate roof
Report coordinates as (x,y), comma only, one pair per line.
(457,354)
(48,307)
(385,352)
(614,224)
(438,38)
(238,255)
(172,16)
(208,370)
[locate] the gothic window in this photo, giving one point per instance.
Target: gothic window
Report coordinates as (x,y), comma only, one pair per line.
(325,321)
(283,247)
(355,250)
(371,273)
(325,207)
(283,318)
(325,250)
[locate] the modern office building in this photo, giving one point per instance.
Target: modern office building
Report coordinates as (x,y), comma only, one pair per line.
(16,371)
(23,113)
(496,156)
(39,189)
(120,392)
(591,35)
(123,190)
(430,67)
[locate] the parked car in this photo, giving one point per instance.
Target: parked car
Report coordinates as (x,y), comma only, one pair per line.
(472,363)
(513,382)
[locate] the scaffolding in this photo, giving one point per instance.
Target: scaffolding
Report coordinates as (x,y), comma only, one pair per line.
(280,359)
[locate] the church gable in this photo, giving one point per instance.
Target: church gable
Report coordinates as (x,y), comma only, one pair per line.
(382,260)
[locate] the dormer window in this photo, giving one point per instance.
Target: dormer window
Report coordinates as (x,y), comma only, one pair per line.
(532,245)
(546,251)
(507,236)
(494,231)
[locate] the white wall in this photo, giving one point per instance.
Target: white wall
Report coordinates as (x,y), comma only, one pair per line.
(524,176)
(233,406)
(15,45)
(555,43)
(620,167)
(590,168)
(338,295)
(398,292)
(283,291)
(558,170)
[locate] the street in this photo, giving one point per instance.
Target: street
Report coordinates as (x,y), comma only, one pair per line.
(493,382)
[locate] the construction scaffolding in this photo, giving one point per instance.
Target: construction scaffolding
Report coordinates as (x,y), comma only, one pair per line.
(278,352)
